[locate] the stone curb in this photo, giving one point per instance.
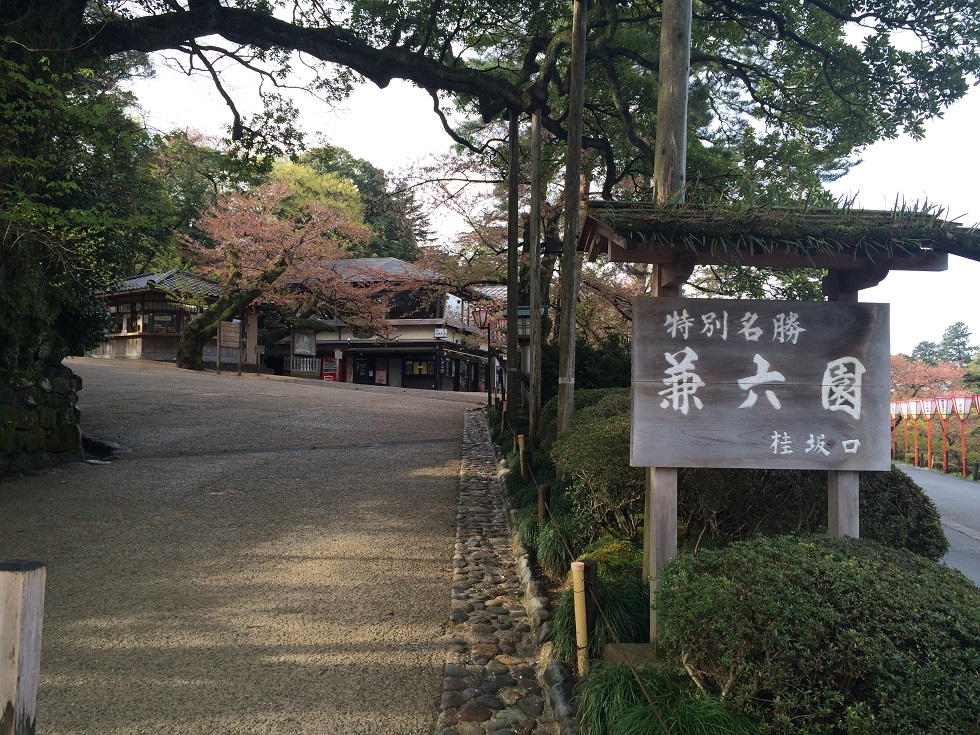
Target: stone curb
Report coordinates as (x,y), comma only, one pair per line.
(493,684)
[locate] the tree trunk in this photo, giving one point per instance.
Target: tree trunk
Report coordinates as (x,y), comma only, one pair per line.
(190,352)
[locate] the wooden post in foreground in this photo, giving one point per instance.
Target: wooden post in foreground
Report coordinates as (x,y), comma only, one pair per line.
(21,612)
(843,515)
(843,510)
(660,542)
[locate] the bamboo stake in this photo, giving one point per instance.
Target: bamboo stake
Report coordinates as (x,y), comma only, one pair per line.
(581,617)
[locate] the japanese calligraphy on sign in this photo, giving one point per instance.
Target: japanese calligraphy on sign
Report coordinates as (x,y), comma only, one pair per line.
(767,384)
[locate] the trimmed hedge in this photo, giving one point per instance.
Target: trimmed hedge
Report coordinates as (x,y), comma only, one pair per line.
(828,636)
(731,505)
(608,493)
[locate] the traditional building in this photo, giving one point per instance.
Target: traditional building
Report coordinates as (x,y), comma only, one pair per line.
(150,312)
(431,343)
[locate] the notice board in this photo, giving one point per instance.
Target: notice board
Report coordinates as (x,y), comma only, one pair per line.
(760,384)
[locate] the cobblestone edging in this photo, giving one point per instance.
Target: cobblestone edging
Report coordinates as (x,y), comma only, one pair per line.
(491,682)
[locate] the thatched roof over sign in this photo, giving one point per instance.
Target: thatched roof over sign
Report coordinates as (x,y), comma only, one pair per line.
(914,238)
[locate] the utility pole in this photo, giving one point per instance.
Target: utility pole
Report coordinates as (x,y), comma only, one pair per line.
(534,298)
(660,532)
(569,256)
(513,362)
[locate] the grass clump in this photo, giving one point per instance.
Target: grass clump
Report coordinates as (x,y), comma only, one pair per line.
(626,604)
(609,701)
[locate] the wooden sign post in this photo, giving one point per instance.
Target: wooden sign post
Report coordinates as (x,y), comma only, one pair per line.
(757,384)
(21,612)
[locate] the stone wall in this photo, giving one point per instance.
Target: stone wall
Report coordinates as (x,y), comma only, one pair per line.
(39,420)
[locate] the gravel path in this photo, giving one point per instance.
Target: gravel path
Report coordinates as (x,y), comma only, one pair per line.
(274,556)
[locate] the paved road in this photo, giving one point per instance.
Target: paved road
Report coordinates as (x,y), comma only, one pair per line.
(958,501)
(273,556)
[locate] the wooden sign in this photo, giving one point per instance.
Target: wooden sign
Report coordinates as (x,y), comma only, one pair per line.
(764,384)
(230,334)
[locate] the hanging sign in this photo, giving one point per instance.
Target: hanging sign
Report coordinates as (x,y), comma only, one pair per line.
(767,384)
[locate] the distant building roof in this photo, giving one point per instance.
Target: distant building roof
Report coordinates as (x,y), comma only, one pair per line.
(494,293)
(373,269)
(175,280)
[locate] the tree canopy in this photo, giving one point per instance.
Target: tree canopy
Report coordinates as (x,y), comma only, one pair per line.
(825,78)
(783,91)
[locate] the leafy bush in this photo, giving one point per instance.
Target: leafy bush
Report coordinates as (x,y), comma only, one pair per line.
(609,701)
(604,363)
(548,421)
(616,558)
(527,526)
(626,604)
(828,636)
(721,505)
(607,493)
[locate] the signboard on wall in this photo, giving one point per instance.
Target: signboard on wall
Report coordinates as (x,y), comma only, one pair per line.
(764,384)
(304,343)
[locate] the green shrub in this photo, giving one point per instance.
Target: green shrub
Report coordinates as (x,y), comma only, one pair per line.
(548,421)
(718,506)
(896,512)
(609,701)
(607,493)
(616,557)
(828,636)
(626,604)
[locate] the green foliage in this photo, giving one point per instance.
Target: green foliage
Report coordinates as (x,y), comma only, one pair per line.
(398,224)
(828,636)
(584,397)
(607,492)
(954,347)
(718,506)
(560,542)
(604,363)
(626,605)
(311,188)
(527,526)
(79,207)
(617,558)
(610,701)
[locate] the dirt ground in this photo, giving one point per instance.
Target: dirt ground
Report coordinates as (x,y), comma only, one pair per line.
(273,556)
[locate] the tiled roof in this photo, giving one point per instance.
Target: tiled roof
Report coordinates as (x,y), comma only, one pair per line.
(371,269)
(495,293)
(175,280)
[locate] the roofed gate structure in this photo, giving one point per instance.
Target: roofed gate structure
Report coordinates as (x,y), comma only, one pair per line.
(857,248)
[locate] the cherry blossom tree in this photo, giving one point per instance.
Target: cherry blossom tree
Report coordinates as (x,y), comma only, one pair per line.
(266,249)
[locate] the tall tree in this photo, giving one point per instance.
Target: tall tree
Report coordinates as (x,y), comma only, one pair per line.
(955,345)
(398,226)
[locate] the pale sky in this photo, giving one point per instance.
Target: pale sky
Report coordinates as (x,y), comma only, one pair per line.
(395,127)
